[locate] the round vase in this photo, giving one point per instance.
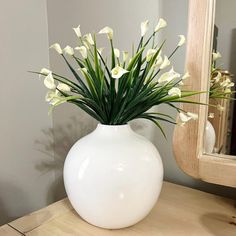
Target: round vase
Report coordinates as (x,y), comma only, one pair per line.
(210,138)
(113,176)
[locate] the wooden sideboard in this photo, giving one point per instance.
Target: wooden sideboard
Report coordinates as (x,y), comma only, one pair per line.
(180,211)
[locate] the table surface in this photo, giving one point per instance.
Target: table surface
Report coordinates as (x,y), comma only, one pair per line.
(179,211)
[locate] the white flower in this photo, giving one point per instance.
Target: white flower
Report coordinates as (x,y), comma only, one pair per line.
(89,39)
(63,87)
(150,53)
(125,56)
(144,27)
(181,41)
(45,71)
(107,30)
(117,72)
(186,76)
(169,76)
(215,56)
(184,118)
(117,52)
(77,31)
(193,116)
(83,70)
(158,62)
(227,90)
(174,92)
(220,108)
(83,51)
(57,47)
(231,84)
(211,115)
(161,24)
(49,81)
(68,50)
(50,95)
(226,83)
(165,63)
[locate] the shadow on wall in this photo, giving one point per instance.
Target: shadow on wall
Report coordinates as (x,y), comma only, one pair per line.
(59,140)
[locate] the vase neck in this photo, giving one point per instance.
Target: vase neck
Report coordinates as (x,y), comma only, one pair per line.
(113,129)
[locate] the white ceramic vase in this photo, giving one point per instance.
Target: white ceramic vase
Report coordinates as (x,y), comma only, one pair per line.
(113,176)
(210,138)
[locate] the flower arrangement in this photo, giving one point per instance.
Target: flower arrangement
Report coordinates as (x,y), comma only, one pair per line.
(115,91)
(220,83)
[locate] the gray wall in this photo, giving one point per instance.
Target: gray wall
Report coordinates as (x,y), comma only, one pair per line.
(26,140)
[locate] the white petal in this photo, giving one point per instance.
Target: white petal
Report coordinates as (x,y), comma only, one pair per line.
(186,76)
(63,87)
(150,53)
(117,72)
(49,96)
(144,27)
(68,50)
(161,24)
(211,115)
(77,31)
(89,39)
(215,56)
(174,92)
(168,76)
(184,118)
(165,63)
(117,52)
(181,41)
(193,116)
(49,81)
(57,47)
(107,30)
(45,71)
(83,51)
(125,56)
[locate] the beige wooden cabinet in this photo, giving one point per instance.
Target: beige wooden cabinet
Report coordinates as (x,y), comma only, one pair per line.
(180,211)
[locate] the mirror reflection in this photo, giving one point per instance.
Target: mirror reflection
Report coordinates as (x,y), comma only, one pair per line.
(220,133)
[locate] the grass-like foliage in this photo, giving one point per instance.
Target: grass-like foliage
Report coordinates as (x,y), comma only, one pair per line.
(116,90)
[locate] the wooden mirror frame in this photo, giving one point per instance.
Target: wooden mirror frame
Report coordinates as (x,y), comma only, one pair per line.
(188,140)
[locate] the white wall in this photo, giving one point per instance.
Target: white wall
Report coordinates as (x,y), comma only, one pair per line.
(25,139)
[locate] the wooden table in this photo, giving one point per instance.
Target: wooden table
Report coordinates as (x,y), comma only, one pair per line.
(179,211)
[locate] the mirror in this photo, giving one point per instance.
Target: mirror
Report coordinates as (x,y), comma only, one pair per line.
(189,142)
(220,133)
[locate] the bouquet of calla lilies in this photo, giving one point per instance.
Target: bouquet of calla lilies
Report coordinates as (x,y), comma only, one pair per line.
(220,82)
(117,90)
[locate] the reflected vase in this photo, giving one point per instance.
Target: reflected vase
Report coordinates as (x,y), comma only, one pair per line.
(210,138)
(113,176)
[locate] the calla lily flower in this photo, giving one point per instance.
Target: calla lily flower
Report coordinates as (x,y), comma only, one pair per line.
(49,81)
(169,76)
(83,70)
(181,41)
(161,24)
(68,50)
(125,56)
(117,52)
(83,51)
(174,92)
(215,56)
(144,27)
(89,39)
(211,115)
(107,30)
(158,62)
(63,87)
(57,47)
(186,76)
(77,31)
(193,116)
(45,71)
(117,72)
(50,95)
(165,63)
(150,53)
